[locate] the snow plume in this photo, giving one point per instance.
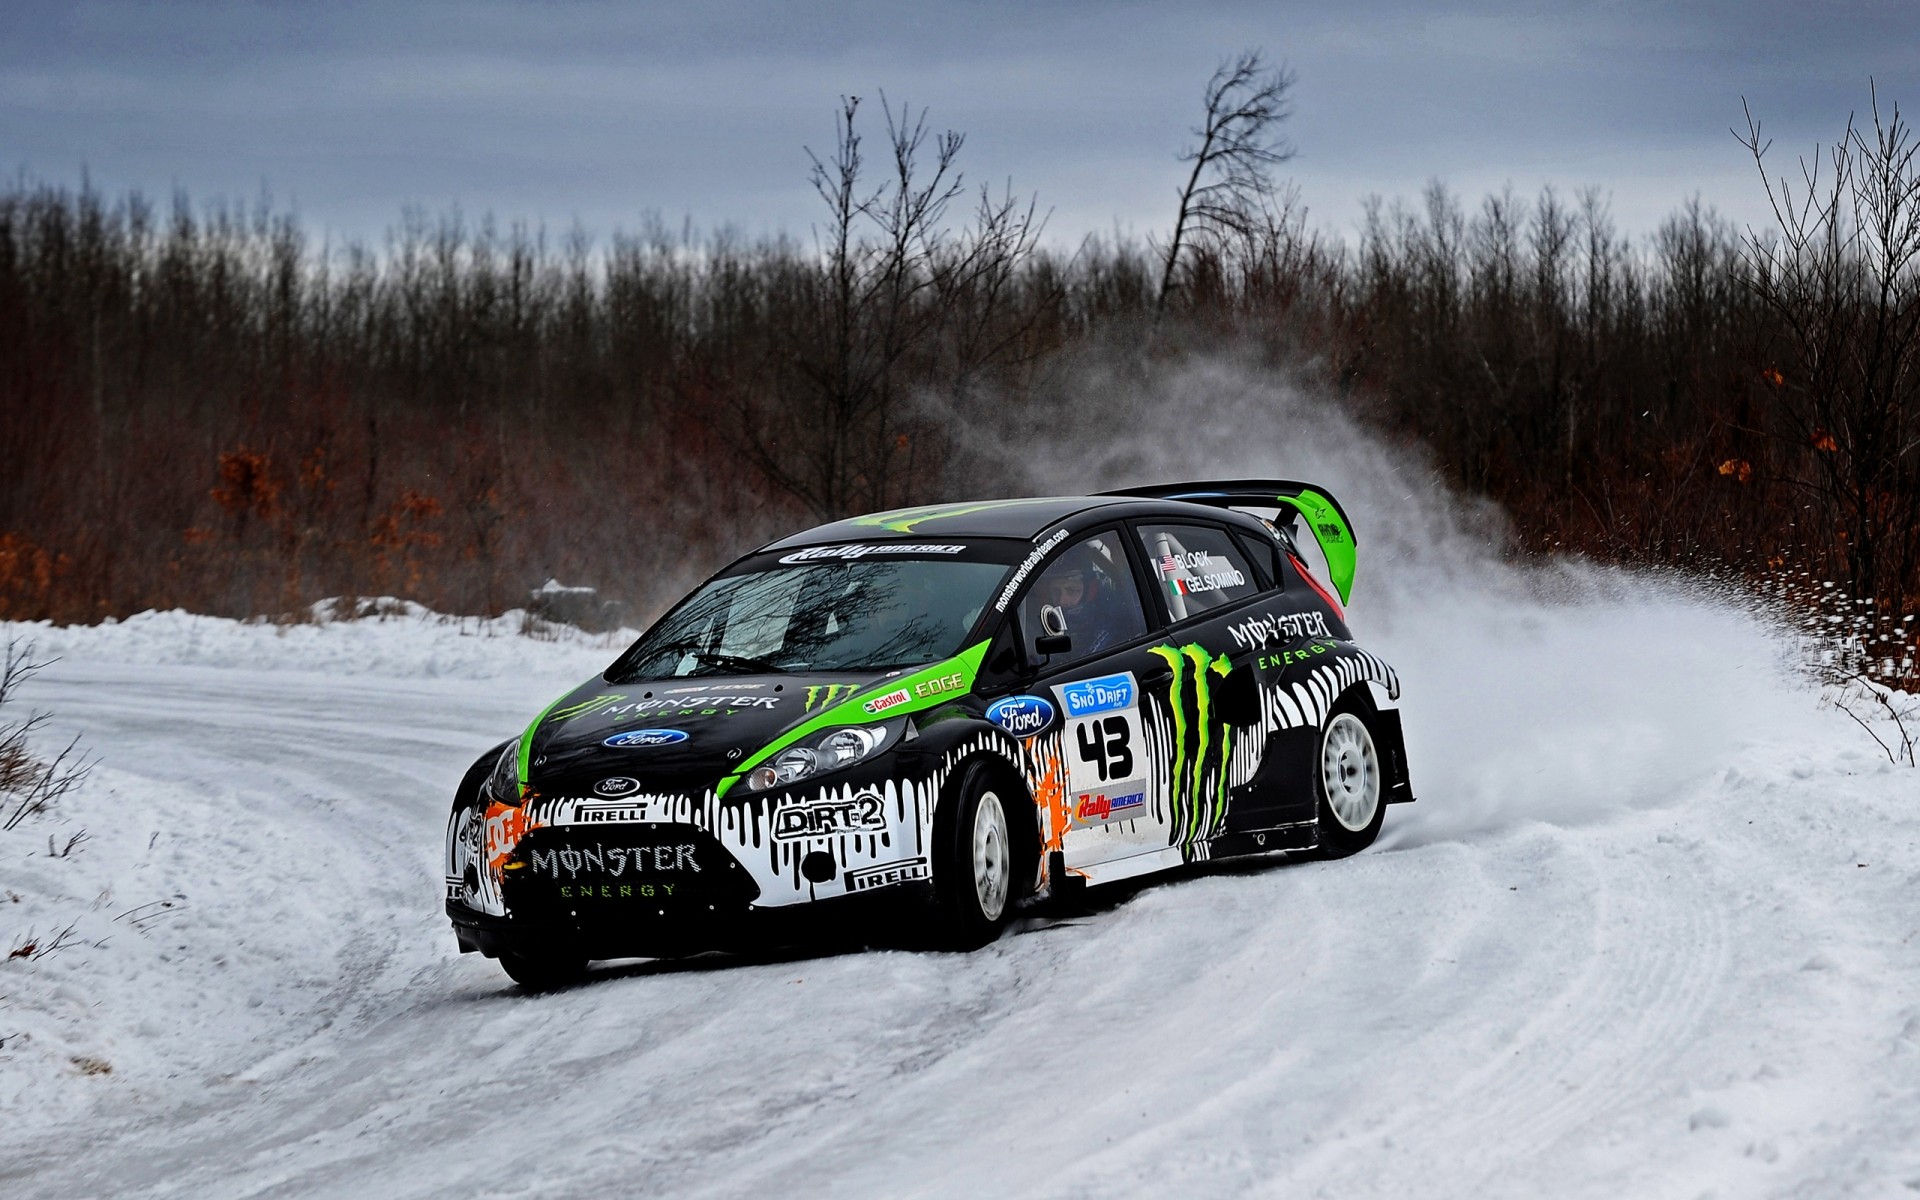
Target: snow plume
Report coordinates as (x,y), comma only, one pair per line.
(1535,689)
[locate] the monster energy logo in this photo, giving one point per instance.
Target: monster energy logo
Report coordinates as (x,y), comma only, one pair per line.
(826,694)
(1198,810)
(574,710)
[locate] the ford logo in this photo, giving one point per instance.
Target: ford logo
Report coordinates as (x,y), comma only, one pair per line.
(619,785)
(634,739)
(1021,716)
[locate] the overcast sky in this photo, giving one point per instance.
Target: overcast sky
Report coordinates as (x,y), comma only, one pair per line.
(597,113)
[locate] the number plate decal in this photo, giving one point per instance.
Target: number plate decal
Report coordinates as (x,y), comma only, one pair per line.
(1106,755)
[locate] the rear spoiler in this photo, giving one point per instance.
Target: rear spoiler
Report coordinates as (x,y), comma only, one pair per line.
(1325,518)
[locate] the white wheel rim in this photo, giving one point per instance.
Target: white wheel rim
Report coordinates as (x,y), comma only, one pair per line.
(1350,772)
(991,868)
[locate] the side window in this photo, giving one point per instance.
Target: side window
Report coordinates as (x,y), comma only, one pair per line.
(1088,594)
(1264,552)
(1198,566)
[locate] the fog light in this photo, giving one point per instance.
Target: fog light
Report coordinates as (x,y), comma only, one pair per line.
(818,866)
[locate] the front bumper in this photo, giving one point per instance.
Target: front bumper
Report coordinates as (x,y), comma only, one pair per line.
(893,917)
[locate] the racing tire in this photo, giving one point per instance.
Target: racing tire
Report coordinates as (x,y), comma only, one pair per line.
(545,970)
(1349,785)
(975,857)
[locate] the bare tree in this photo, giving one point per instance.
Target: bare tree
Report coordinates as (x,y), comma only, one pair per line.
(900,302)
(1228,192)
(1840,272)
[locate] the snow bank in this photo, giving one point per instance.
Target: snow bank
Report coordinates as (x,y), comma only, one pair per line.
(403,641)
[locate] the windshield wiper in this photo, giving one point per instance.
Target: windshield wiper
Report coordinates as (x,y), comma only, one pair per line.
(740,663)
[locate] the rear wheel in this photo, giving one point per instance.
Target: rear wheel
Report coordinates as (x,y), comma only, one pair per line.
(974,876)
(1348,782)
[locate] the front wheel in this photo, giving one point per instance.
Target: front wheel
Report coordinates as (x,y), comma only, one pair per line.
(974,872)
(1348,784)
(542,971)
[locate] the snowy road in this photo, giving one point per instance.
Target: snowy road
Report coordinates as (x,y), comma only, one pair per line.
(1630,943)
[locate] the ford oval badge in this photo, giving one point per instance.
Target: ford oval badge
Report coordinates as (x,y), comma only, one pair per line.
(1021,716)
(635,739)
(617,786)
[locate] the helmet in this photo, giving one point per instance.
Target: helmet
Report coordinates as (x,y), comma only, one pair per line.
(1074,580)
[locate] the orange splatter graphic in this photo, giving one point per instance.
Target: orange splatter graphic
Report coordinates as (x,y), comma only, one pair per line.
(1051,796)
(505,827)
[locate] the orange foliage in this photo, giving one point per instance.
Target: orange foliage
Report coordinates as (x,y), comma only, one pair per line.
(1738,468)
(411,510)
(27,575)
(313,472)
(1822,440)
(399,529)
(246,484)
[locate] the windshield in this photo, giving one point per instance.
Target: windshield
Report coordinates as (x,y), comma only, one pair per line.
(863,615)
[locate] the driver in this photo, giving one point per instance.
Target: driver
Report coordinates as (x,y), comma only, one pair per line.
(1079,587)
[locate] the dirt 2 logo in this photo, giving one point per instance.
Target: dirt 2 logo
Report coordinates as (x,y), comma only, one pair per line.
(864,813)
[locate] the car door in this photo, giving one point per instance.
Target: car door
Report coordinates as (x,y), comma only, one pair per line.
(1103,804)
(1206,583)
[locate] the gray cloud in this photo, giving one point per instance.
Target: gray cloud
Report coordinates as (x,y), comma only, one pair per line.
(600,112)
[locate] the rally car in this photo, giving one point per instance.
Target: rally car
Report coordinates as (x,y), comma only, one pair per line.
(958,707)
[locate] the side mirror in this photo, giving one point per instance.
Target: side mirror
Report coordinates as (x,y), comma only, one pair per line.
(1052,643)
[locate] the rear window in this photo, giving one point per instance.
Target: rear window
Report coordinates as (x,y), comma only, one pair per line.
(1198,567)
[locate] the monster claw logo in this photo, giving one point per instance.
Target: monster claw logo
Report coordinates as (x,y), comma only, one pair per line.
(574,710)
(1199,795)
(827,694)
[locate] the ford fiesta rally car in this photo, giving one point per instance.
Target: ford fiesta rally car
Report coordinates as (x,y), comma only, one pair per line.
(959,705)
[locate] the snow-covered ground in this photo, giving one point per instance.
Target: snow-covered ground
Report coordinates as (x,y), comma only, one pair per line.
(1652,930)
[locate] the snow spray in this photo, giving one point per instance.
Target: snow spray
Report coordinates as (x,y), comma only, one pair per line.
(1536,688)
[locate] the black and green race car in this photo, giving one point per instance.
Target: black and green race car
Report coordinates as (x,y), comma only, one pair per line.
(956,707)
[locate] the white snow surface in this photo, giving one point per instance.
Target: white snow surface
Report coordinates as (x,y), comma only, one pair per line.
(1650,931)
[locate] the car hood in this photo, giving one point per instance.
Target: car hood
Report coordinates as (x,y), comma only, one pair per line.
(671,734)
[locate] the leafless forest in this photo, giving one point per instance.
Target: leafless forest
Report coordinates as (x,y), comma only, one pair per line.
(200,407)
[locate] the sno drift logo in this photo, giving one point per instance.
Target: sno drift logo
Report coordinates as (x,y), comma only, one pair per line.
(1105,694)
(642,738)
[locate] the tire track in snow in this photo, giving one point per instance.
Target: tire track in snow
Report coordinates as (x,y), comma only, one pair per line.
(1652,959)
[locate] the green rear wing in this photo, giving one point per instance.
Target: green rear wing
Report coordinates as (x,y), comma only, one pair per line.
(1324,516)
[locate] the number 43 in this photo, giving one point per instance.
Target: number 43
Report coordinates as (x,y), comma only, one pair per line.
(1104,743)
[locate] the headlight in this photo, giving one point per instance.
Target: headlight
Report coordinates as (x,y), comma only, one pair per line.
(823,752)
(503,786)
